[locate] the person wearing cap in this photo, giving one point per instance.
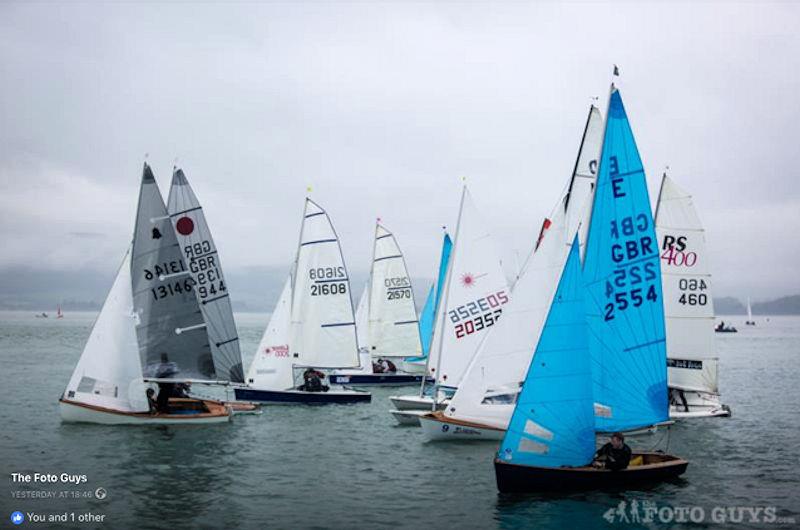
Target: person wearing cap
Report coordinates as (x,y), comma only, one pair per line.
(614,455)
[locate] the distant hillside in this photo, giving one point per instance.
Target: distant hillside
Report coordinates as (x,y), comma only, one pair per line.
(728,305)
(788,305)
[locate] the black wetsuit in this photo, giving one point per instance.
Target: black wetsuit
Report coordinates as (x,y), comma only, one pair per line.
(615,459)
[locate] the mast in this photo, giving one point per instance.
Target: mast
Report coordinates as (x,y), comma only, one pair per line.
(444,301)
(578,158)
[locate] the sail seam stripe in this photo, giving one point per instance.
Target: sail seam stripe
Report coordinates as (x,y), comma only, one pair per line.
(406,322)
(318,241)
(395,288)
(389,257)
(227,341)
(381,237)
(314,214)
(645,344)
(335,325)
(332,280)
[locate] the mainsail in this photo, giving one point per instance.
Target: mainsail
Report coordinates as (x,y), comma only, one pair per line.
(171,331)
(625,311)
(323,333)
(688,304)
(475,294)
(272,365)
(393,329)
(108,373)
(553,424)
(201,258)
(502,359)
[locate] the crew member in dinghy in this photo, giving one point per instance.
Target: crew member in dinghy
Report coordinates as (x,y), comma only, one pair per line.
(677,397)
(384,366)
(312,381)
(614,455)
(151,401)
(164,370)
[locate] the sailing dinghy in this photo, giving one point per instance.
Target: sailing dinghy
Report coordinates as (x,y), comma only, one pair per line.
(604,372)
(475,295)
(392,329)
(749,321)
(688,306)
(482,406)
(312,326)
(550,440)
(150,330)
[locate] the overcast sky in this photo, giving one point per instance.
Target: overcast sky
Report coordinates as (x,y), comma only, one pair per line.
(382,107)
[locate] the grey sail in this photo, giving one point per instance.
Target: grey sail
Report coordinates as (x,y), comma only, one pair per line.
(170,329)
(201,258)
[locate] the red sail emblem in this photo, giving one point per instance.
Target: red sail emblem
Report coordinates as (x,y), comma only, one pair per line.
(184,226)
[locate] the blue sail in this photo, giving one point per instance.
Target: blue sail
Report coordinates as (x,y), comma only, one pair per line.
(428,316)
(553,423)
(625,312)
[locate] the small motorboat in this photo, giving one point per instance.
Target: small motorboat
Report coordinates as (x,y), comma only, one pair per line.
(654,468)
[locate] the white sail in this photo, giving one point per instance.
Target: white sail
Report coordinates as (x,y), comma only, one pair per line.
(393,327)
(501,363)
(204,267)
(272,363)
(475,294)
(749,311)
(688,304)
(109,373)
(323,332)
(362,318)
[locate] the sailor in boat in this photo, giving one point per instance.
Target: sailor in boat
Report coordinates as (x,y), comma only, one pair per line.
(164,370)
(151,401)
(312,381)
(614,455)
(677,397)
(384,366)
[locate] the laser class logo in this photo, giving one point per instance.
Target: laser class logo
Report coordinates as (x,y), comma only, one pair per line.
(17,518)
(468,280)
(184,226)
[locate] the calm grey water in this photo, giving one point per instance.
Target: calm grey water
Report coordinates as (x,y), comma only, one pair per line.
(351,467)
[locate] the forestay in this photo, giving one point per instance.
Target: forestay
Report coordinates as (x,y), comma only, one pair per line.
(475,294)
(688,304)
(393,327)
(625,311)
(109,373)
(503,358)
(171,331)
(272,363)
(203,262)
(552,424)
(323,333)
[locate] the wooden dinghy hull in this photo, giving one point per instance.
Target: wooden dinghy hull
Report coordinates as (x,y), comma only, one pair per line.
(290,397)
(438,427)
(657,467)
(188,412)
(376,379)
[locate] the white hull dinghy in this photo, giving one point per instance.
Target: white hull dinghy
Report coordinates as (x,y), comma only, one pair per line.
(312,326)
(386,320)
(693,371)
(484,402)
(152,329)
